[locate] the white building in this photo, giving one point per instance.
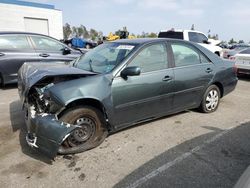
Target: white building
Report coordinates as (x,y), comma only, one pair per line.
(31,17)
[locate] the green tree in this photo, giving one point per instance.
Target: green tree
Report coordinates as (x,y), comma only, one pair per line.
(85,32)
(80,31)
(152,35)
(93,34)
(231,41)
(241,41)
(67,31)
(75,31)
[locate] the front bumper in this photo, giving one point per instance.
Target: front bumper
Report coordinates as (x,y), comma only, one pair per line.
(46,133)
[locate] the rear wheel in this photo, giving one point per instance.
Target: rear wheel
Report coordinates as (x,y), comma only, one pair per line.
(91,132)
(211,99)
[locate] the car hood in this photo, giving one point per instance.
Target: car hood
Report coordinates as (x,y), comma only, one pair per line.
(31,73)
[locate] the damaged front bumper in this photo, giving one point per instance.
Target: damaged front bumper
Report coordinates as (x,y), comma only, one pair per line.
(46,132)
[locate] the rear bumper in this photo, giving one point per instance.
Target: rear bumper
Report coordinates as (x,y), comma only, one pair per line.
(243,71)
(46,133)
(230,86)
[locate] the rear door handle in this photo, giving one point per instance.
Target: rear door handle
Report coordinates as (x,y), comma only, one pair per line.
(167,78)
(208,70)
(2,54)
(44,55)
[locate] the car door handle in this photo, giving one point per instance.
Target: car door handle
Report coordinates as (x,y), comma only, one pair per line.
(44,55)
(208,70)
(2,54)
(167,78)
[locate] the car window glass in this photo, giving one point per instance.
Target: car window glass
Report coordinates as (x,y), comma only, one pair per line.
(44,43)
(171,34)
(204,59)
(14,42)
(105,57)
(193,37)
(151,58)
(184,55)
(201,38)
(247,51)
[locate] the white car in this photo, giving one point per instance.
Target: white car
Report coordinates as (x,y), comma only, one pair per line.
(193,36)
(242,61)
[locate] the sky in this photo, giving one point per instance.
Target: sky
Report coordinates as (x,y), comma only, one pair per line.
(227,18)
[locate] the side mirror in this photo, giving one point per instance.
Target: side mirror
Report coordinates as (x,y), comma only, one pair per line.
(130,71)
(66,51)
(206,42)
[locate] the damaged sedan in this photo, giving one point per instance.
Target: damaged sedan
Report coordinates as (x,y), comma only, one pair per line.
(72,108)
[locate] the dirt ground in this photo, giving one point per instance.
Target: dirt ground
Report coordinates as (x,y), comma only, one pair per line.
(189,149)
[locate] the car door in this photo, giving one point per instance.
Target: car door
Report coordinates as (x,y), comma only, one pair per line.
(49,49)
(145,96)
(193,71)
(15,49)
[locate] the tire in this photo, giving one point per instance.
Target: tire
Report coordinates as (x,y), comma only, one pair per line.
(87,46)
(91,134)
(210,100)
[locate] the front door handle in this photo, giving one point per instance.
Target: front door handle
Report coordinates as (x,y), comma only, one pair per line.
(2,54)
(208,70)
(167,78)
(44,55)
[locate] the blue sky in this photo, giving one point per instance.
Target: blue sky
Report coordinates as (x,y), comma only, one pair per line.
(227,18)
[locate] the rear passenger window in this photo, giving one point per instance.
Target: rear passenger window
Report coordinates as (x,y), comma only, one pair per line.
(14,42)
(151,58)
(185,55)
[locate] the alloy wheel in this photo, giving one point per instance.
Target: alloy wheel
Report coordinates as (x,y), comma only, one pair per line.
(212,100)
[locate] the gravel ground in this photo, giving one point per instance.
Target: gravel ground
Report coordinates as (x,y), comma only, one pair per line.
(189,149)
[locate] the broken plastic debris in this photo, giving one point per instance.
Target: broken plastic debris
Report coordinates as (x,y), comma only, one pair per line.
(32,111)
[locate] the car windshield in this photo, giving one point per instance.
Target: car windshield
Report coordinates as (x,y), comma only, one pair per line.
(104,58)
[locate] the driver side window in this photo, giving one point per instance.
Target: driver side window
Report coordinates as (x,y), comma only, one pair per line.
(44,43)
(151,58)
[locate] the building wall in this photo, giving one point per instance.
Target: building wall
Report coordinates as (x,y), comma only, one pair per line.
(12,18)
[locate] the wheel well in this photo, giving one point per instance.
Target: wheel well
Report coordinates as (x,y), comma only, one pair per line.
(89,102)
(220,86)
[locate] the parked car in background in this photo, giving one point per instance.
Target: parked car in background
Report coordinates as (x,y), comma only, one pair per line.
(80,43)
(242,61)
(193,36)
(73,108)
(19,47)
(229,53)
(240,45)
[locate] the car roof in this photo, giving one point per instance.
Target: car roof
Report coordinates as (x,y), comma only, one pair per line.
(21,33)
(140,41)
(181,30)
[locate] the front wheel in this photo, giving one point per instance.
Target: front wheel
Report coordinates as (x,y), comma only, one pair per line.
(90,133)
(211,99)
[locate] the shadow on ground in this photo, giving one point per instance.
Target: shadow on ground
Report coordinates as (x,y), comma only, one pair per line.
(244,77)
(8,86)
(18,123)
(217,164)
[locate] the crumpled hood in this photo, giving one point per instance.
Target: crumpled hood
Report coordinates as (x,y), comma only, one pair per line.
(31,73)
